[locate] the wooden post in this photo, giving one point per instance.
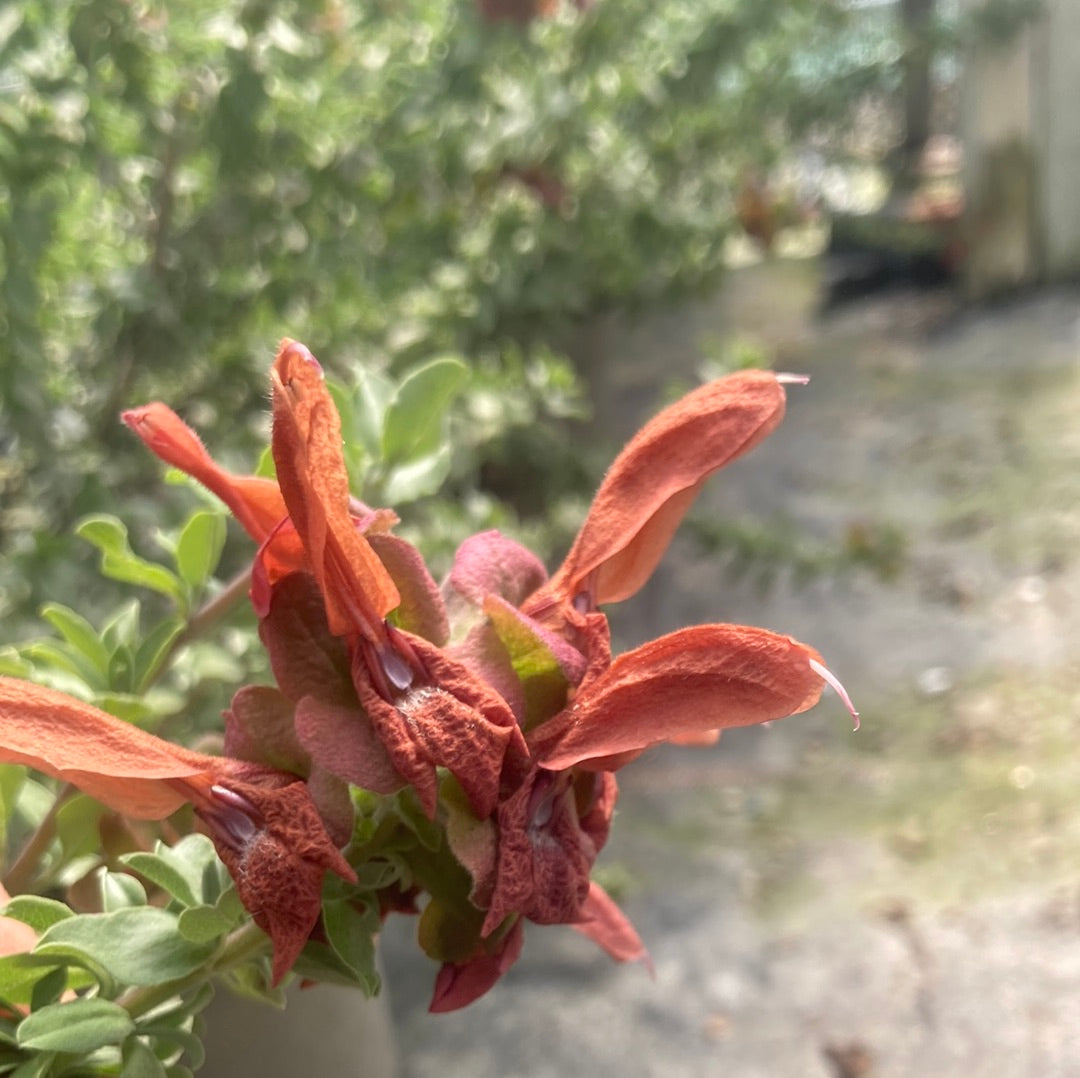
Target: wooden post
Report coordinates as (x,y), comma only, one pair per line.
(1021,127)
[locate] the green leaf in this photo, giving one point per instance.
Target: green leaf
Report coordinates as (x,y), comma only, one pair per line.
(126,706)
(252,981)
(183,870)
(77,827)
(123,627)
(79,633)
(119,891)
(138,946)
(153,650)
(413,424)
(266,468)
(140,1061)
(428,832)
(12,776)
(120,562)
(372,397)
(36,1067)
(21,973)
(418,478)
(183,1039)
(49,989)
(201,924)
(12,664)
(38,912)
(351,933)
(76,1027)
(63,657)
(122,669)
(199,547)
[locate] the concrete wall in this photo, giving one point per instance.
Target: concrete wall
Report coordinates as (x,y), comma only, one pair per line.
(1021,128)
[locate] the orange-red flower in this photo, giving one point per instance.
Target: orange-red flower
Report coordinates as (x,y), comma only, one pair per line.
(554,815)
(528,711)
(262,821)
(426,709)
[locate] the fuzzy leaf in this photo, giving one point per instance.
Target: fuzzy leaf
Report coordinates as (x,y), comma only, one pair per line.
(140,1061)
(120,891)
(413,423)
(79,634)
(351,932)
(199,547)
(120,562)
(138,946)
(77,1027)
(180,870)
(38,912)
(201,924)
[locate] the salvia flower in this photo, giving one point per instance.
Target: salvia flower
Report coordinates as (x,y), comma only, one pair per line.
(262,822)
(494,701)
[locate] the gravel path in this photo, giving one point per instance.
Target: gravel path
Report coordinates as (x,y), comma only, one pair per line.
(904,901)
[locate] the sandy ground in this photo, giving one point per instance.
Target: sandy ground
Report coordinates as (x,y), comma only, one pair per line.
(901,901)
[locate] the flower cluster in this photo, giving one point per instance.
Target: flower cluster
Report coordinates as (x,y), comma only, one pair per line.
(494,700)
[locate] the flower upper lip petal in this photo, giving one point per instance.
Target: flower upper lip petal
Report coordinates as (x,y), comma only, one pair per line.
(306,442)
(706,677)
(114,762)
(656,477)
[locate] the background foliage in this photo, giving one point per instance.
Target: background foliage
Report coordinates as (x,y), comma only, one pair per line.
(183,184)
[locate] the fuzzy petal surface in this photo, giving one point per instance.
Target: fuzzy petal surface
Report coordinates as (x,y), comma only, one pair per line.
(459,984)
(306,443)
(256,503)
(708,677)
(656,477)
(114,762)
(608,927)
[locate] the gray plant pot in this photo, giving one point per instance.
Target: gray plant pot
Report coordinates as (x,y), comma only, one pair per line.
(324,1030)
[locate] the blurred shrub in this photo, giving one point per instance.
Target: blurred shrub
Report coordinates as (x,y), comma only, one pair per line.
(183,184)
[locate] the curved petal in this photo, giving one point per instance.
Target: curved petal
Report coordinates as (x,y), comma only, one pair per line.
(656,477)
(256,503)
(459,983)
(277,850)
(708,677)
(422,610)
(608,927)
(306,658)
(114,762)
(341,739)
(491,564)
(306,442)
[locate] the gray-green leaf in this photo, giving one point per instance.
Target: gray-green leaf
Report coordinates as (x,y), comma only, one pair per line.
(78,1026)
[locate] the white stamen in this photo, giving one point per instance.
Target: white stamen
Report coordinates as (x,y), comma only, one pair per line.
(831,679)
(793,379)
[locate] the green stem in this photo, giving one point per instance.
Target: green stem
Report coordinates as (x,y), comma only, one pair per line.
(24,868)
(204,619)
(239,946)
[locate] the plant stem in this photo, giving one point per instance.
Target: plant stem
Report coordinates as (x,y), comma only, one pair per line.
(25,866)
(204,619)
(240,945)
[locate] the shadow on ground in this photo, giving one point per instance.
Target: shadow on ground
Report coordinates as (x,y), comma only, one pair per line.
(905,900)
